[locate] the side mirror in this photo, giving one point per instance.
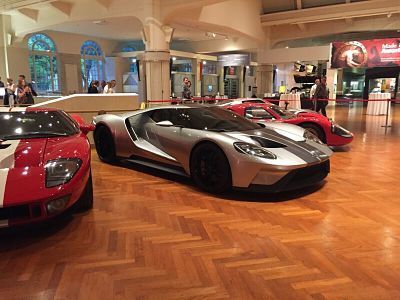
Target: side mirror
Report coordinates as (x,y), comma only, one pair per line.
(165,124)
(86,128)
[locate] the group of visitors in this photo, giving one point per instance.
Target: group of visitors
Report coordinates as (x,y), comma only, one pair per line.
(96,87)
(20,94)
(319,93)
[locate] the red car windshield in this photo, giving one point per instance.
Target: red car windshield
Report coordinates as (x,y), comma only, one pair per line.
(35,124)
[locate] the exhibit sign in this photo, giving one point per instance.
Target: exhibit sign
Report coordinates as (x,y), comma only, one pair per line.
(366,54)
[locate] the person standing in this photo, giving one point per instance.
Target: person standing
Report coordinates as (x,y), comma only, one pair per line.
(186,89)
(22,78)
(9,97)
(321,97)
(24,93)
(313,89)
(93,88)
(101,86)
(5,92)
(110,87)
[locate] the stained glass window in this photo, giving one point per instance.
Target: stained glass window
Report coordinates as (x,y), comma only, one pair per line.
(43,64)
(92,63)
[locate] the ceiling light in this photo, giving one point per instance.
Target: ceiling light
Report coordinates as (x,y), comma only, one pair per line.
(247,67)
(204,62)
(287,47)
(134,60)
(174,58)
(214,35)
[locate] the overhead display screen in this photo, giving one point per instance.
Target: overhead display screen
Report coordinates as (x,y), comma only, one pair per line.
(366,54)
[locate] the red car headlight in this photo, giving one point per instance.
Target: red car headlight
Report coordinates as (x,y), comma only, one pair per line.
(60,171)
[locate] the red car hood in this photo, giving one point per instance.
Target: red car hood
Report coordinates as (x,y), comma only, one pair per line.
(22,173)
(21,169)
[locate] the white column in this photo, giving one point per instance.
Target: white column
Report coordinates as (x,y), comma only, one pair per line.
(156,59)
(264,79)
(221,81)
(331,81)
(196,64)
(5,39)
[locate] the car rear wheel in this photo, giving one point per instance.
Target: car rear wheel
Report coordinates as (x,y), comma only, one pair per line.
(85,202)
(210,168)
(104,142)
(316,130)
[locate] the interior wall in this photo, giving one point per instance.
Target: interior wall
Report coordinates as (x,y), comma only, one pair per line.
(68,52)
(286,55)
(284,76)
(116,67)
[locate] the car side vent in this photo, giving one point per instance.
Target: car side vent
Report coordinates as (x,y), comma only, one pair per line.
(4,146)
(267,143)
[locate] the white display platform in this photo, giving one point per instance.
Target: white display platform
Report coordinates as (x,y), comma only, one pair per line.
(378,108)
(293,99)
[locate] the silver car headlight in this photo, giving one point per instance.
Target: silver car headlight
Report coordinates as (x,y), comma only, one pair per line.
(308,135)
(254,150)
(60,171)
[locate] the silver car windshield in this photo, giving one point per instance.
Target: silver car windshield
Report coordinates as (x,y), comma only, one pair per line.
(203,118)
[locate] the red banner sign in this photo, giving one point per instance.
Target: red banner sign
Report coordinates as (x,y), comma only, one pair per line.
(366,54)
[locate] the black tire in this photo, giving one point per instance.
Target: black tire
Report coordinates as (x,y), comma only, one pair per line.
(104,142)
(210,168)
(316,130)
(85,202)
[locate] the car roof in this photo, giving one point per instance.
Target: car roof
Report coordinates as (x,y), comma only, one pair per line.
(176,106)
(28,109)
(247,104)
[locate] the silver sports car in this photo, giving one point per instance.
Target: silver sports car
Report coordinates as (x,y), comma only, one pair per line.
(216,147)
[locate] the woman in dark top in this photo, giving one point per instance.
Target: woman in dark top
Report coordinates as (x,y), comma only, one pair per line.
(93,88)
(25,96)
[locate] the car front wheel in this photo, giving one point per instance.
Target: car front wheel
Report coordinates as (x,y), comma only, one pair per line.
(210,168)
(85,202)
(104,143)
(316,130)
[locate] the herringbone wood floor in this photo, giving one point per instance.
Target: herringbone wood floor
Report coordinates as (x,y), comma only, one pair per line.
(154,236)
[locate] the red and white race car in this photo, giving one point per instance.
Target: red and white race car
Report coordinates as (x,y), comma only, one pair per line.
(44,164)
(327,131)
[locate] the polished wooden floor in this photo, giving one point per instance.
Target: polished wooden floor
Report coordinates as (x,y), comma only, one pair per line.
(154,236)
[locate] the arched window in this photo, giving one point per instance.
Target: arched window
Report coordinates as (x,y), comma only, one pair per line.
(128,48)
(43,64)
(92,62)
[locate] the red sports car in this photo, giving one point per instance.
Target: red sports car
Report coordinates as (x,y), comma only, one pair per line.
(44,164)
(328,132)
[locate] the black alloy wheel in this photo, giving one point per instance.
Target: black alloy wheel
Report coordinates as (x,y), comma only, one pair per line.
(104,142)
(210,168)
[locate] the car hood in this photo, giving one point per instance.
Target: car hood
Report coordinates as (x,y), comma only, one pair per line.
(21,170)
(290,131)
(310,152)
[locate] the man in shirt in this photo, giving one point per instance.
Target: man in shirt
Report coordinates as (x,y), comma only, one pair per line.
(313,89)
(321,97)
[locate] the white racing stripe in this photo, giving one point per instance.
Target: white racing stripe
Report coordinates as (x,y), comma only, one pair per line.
(7,161)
